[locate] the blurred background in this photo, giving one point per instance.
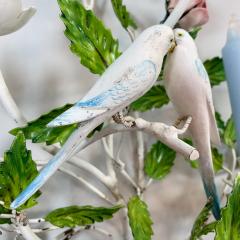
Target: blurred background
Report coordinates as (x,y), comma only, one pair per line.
(42,73)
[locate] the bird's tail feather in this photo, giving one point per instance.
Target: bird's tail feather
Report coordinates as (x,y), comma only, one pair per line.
(207,174)
(65,153)
(211,192)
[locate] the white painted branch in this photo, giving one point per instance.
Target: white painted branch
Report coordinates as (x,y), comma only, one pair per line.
(108,147)
(9,104)
(166,134)
(140,156)
(169,136)
(48,229)
(27,232)
(177,13)
(6,215)
(36,220)
(80,163)
(120,165)
(87,184)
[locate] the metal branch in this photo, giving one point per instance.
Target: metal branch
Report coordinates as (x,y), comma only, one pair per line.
(9,104)
(165,133)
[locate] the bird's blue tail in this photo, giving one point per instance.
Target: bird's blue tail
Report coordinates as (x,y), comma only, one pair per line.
(64,154)
(211,192)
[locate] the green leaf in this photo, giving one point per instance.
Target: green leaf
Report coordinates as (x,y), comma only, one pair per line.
(215,70)
(122,14)
(74,216)
(38,131)
(4,211)
(194,32)
(97,129)
(200,227)
(220,123)
(90,40)
(228,228)
(230,133)
(159,161)
(217,160)
(139,219)
(16,172)
(156,97)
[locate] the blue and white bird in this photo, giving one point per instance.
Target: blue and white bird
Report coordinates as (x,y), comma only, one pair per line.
(128,78)
(188,86)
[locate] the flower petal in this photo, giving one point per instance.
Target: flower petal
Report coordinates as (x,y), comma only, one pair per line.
(172,4)
(196,17)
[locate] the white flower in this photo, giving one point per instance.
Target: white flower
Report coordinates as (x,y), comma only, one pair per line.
(12,17)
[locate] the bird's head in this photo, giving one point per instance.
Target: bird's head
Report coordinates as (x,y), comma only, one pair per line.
(158,38)
(182,37)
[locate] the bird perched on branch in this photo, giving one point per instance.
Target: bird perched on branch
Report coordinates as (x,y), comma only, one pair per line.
(188,86)
(128,78)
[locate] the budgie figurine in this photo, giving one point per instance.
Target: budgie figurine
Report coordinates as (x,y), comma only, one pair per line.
(188,86)
(128,78)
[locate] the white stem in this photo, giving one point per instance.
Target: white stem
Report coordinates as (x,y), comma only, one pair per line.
(6,215)
(9,104)
(140,155)
(177,13)
(80,163)
(48,229)
(108,147)
(166,134)
(87,184)
(120,165)
(27,232)
(36,220)
(88,4)
(234,162)
(131,34)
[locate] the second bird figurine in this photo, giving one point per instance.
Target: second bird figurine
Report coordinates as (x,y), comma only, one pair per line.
(188,87)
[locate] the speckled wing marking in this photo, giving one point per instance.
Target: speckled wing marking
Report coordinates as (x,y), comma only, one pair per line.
(133,83)
(215,138)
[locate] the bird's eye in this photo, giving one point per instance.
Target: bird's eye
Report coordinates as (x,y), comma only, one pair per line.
(180,34)
(171,40)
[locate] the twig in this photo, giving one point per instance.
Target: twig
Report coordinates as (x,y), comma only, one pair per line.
(108,147)
(80,163)
(131,34)
(228,171)
(120,165)
(47,229)
(140,155)
(9,104)
(36,220)
(87,184)
(177,13)
(69,233)
(27,232)
(6,215)
(166,134)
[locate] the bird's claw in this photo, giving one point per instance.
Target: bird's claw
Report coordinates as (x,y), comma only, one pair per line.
(127,121)
(179,121)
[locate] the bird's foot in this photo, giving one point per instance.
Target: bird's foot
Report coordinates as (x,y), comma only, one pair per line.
(180,120)
(127,121)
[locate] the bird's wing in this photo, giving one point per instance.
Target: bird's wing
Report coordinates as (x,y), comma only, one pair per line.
(133,83)
(214,133)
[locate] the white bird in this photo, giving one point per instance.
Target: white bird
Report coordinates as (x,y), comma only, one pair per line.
(128,78)
(12,17)
(188,87)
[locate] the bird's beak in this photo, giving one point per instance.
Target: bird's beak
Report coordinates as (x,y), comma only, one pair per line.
(174,44)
